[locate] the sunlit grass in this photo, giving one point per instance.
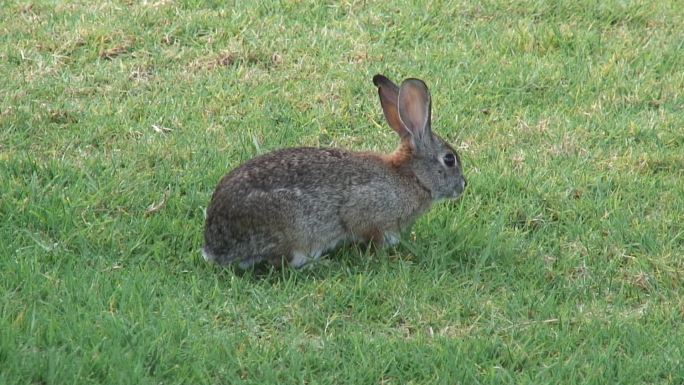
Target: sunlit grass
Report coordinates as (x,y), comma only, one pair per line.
(561,264)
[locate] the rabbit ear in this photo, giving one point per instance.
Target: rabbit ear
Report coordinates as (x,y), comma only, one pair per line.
(389,94)
(414,106)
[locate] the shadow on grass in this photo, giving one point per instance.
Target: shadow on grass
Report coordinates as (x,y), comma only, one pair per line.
(348,259)
(352,260)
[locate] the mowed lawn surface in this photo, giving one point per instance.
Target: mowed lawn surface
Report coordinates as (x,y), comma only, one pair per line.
(562,263)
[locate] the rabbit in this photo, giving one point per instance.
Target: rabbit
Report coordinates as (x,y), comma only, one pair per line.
(292,205)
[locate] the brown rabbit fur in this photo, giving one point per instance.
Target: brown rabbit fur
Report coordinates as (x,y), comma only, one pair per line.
(295,204)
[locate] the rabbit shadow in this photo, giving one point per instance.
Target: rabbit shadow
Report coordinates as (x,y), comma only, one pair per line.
(352,258)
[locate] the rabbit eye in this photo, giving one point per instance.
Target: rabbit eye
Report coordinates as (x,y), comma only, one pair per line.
(449,160)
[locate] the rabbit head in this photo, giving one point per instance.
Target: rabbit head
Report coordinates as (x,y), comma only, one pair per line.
(433,161)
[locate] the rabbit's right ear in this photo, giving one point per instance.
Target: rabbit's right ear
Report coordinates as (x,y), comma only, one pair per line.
(414,105)
(389,97)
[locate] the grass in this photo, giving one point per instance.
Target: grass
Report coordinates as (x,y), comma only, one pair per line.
(563,262)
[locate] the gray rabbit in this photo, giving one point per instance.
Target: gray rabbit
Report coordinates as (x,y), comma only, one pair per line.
(295,204)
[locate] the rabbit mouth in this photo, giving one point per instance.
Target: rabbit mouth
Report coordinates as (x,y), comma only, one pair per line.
(459,191)
(453,196)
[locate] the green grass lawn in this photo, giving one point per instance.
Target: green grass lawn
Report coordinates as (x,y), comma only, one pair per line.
(563,263)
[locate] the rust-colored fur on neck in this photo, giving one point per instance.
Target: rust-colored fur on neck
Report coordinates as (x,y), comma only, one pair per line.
(400,157)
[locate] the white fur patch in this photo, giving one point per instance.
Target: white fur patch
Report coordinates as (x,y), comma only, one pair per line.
(391,239)
(207,256)
(299,259)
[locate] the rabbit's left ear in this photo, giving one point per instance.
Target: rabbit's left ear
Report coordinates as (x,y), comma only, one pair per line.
(414,106)
(389,95)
